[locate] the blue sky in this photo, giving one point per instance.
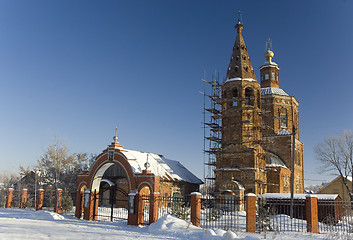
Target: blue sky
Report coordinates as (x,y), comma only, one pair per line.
(77,69)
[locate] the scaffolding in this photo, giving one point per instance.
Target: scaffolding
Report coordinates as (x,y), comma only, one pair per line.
(212,125)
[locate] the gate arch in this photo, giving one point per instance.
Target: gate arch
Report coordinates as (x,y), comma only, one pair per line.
(115,155)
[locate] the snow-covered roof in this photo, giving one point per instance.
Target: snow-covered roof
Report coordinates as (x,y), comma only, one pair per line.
(273,90)
(160,166)
(240,79)
(298,196)
(269,64)
(275,161)
(283,132)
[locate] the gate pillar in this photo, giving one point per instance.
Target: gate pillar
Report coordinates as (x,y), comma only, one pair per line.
(154,204)
(24,198)
(40,199)
(58,200)
(90,213)
(9,197)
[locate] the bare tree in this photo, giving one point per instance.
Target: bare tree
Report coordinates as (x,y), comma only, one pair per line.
(56,168)
(336,155)
(8,179)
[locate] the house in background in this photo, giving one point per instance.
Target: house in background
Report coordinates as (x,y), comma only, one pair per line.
(336,186)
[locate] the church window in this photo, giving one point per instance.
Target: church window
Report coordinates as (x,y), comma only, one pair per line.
(249,95)
(246,68)
(273,76)
(235,93)
(237,58)
(235,103)
(236,68)
(283,118)
(224,94)
(267,76)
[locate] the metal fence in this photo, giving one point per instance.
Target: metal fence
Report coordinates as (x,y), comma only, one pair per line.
(177,206)
(335,216)
(273,215)
(224,212)
(112,205)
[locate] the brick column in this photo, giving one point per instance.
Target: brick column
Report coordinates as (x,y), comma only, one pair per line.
(312,223)
(79,204)
(154,204)
(9,197)
(58,200)
(87,209)
(140,212)
(195,208)
(250,212)
(90,213)
(40,198)
(24,198)
(132,217)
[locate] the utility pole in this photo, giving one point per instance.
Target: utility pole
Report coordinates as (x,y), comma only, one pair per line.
(292,174)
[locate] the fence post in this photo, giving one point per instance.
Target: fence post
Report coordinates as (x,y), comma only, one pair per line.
(154,199)
(58,200)
(79,204)
(95,205)
(195,214)
(9,197)
(312,224)
(140,209)
(40,199)
(250,212)
(24,198)
(87,206)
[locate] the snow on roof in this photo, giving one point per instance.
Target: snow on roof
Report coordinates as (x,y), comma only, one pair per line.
(159,166)
(269,64)
(240,79)
(283,132)
(274,161)
(273,90)
(299,196)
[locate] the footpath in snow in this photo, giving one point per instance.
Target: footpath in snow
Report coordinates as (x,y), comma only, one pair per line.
(26,224)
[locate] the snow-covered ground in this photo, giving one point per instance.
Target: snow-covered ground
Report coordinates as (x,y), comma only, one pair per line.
(28,224)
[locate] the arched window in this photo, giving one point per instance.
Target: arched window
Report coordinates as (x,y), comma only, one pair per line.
(224,94)
(235,95)
(283,118)
(249,97)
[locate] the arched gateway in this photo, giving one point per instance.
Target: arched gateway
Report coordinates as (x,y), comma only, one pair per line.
(130,181)
(112,173)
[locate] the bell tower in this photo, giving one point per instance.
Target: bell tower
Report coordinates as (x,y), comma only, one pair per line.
(241,158)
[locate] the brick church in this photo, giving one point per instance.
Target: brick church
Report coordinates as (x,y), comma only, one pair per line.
(257,122)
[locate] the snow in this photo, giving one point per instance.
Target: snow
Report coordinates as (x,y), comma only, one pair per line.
(299,196)
(283,132)
(241,79)
(273,90)
(28,224)
(159,166)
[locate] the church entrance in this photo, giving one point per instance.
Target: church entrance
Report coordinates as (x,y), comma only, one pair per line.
(113,196)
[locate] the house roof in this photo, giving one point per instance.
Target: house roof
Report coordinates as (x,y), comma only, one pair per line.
(298,196)
(273,90)
(160,166)
(328,184)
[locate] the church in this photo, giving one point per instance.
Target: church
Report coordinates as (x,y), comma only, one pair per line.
(257,124)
